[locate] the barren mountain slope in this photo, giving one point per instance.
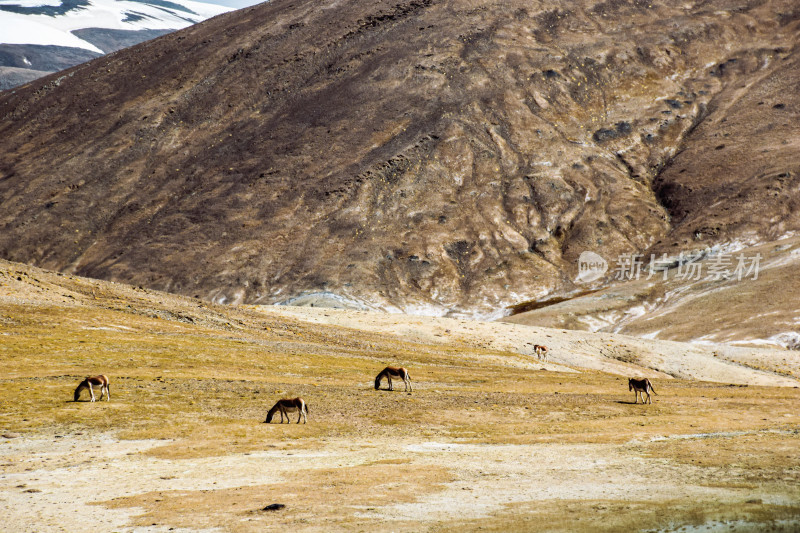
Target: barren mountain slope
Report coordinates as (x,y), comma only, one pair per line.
(737,176)
(429,156)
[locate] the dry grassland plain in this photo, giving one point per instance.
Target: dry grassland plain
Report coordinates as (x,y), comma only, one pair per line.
(490,438)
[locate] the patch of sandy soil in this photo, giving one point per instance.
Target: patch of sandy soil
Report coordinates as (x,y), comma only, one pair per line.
(61,480)
(74,481)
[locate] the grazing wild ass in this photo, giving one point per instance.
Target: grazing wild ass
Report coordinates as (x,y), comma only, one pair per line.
(92,382)
(541,351)
(393,372)
(641,387)
(286,406)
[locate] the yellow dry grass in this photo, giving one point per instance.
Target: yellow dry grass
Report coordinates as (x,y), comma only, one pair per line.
(200,378)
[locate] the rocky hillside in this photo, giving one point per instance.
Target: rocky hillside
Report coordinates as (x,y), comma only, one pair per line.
(428,156)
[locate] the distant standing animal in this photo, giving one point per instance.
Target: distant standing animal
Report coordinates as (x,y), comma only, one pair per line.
(541,351)
(286,406)
(641,387)
(393,372)
(92,382)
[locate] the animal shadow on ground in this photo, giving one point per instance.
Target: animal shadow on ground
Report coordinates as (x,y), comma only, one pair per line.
(387,389)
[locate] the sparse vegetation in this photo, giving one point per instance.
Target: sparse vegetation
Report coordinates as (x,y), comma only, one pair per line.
(476,429)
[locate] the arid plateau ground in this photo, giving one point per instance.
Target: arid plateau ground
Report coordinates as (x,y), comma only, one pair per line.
(490,438)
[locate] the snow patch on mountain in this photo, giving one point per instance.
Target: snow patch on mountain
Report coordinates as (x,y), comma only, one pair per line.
(17,29)
(43,22)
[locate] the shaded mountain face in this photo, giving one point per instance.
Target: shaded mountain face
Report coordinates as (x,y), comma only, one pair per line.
(434,157)
(746,150)
(52,35)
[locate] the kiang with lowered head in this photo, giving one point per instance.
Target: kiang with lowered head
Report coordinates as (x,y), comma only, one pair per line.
(641,387)
(541,351)
(92,382)
(286,406)
(393,372)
